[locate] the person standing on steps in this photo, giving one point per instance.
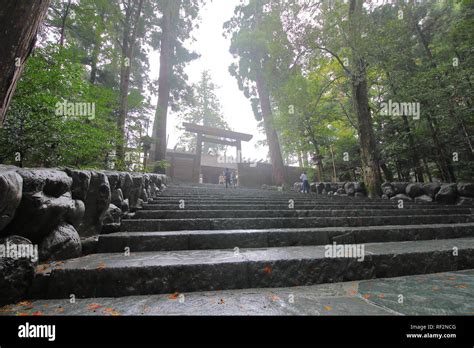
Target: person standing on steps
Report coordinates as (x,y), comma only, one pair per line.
(304,179)
(227,175)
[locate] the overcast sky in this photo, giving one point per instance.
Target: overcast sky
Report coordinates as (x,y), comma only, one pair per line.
(215,57)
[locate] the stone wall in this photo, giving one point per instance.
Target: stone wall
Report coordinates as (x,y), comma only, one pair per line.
(356,189)
(54,208)
(50,212)
(460,193)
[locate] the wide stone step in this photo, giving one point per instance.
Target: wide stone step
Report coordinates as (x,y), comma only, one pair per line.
(364,297)
(230,239)
(189,214)
(115,275)
(284,206)
(133,225)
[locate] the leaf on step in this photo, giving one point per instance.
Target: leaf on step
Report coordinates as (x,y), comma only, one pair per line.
(221,301)
(102,265)
(173,296)
(328,308)
(111,311)
(25,303)
(267,270)
(460,286)
(275,298)
(59,310)
(366,296)
(93,306)
(37,313)
(381,295)
(22,314)
(6,309)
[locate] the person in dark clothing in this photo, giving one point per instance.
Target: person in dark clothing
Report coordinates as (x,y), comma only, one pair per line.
(227,175)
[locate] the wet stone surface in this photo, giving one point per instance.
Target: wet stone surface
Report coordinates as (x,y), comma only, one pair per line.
(448,293)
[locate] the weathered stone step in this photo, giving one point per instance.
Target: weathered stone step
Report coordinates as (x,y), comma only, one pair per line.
(114,275)
(283,206)
(196,240)
(191,214)
(364,297)
(133,225)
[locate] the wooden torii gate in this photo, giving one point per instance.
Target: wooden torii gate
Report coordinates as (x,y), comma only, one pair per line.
(221,137)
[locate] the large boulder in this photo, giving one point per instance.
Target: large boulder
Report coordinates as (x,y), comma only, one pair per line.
(112,219)
(388,190)
(317,187)
(431,189)
(11,188)
(135,192)
(360,187)
(116,193)
(126,185)
(462,200)
(401,196)
(80,183)
(45,203)
(349,188)
(447,194)
(423,198)
(62,243)
(399,187)
(16,273)
(97,203)
(414,189)
(466,189)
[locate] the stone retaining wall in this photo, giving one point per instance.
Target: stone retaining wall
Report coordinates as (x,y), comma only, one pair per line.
(54,208)
(460,194)
(356,189)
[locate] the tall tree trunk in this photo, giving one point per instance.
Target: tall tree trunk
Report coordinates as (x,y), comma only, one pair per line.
(427,169)
(371,169)
(279,173)
(411,141)
(128,43)
(445,166)
(19,24)
(63,23)
(168,38)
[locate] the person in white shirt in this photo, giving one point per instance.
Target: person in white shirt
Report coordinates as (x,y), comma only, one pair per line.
(304,179)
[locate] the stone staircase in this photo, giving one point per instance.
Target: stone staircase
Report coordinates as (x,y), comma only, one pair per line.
(206,238)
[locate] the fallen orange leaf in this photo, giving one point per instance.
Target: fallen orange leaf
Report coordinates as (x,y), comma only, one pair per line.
(267,270)
(59,310)
(38,313)
(221,301)
(111,311)
(328,308)
(93,306)
(173,296)
(25,303)
(102,265)
(461,286)
(366,296)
